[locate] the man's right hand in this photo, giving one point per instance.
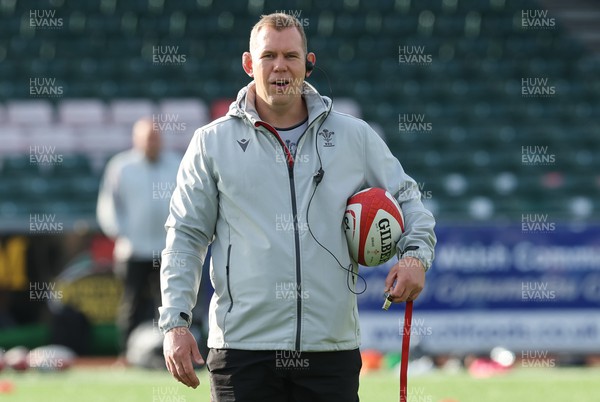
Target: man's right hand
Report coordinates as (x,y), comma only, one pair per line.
(179,349)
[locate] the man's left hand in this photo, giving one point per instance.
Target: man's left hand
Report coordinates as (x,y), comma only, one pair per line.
(405,280)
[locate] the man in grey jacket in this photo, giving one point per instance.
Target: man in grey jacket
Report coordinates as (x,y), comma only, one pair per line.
(267,186)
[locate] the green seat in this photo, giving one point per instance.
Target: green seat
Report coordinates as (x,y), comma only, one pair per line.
(71,166)
(22,165)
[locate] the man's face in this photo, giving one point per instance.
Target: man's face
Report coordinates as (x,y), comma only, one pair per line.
(278,65)
(147,139)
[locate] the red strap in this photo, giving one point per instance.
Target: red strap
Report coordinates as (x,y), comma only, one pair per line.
(405,349)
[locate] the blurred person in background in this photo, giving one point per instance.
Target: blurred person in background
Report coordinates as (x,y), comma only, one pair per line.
(133,204)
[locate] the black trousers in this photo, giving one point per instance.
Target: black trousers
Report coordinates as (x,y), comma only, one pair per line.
(283,376)
(141,296)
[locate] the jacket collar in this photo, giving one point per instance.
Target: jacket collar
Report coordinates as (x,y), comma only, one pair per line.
(244,106)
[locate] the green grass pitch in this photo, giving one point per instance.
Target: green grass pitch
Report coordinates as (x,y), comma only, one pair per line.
(134,385)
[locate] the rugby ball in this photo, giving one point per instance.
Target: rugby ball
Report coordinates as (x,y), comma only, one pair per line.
(16,358)
(373,224)
(51,358)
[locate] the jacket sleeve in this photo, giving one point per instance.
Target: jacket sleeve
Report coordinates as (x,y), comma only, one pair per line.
(190,228)
(385,171)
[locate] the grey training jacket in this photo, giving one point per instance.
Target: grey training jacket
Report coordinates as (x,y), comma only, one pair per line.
(239,189)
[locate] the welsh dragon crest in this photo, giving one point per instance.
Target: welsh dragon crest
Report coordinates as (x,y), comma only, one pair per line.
(328,137)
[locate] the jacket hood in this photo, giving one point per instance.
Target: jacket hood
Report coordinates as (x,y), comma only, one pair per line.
(244,107)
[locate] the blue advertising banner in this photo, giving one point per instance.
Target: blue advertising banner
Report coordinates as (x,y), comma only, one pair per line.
(536,285)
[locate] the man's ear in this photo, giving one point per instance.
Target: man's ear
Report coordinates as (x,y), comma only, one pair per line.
(247,63)
(313,59)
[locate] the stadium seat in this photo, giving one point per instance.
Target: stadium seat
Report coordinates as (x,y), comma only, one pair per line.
(13,140)
(104,139)
(73,165)
(453,210)
(456,184)
(128,111)
(398,25)
(581,207)
(347,105)
(348,25)
(449,26)
(191,111)
(57,138)
(30,112)
(505,183)
(179,141)
(481,208)
(19,166)
(82,111)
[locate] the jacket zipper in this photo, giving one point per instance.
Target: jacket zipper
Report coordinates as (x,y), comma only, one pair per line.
(228,282)
(297,245)
(290,165)
(290,160)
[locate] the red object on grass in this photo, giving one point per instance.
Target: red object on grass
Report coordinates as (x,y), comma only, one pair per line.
(486,368)
(405,349)
(371,360)
(6,387)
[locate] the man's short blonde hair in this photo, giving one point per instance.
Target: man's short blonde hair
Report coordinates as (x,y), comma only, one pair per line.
(279,21)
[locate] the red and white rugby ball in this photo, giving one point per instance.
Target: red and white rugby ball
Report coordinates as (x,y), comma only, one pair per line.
(373,224)
(16,358)
(51,358)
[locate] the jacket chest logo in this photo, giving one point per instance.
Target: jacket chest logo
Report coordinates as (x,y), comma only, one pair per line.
(244,143)
(328,137)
